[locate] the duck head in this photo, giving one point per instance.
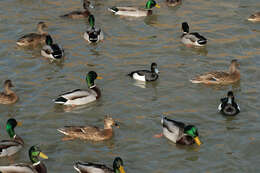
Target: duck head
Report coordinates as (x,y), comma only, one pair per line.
(48,40)
(109,122)
(91,77)
(185,28)
(118,165)
(192,131)
(154,68)
(10,125)
(150,4)
(35,153)
(87,4)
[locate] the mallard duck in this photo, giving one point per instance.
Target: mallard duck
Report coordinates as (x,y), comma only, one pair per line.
(133,11)
(52,51)
(180,133)
(228,106)
(93,34)
(254,17)
(220,77)
(36,167)
(193,39)
(15,144)
(146,75)
(34,39)
(89,167)
(81,96)
(90,132)
(8,96)
(173,3)
(80,14)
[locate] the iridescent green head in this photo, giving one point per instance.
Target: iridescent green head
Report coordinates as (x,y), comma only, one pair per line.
(10,125)
(192,131)
(150,4)
(48,40)
(91,77)
(35,153)
(91,20)
(118,165)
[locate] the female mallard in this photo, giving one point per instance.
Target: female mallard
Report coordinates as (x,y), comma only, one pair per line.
(36,167)
(90,132)
(80,14)
(89,167)
(146,75)
(180,133)
(15,144)
(52,51)
(34,39)
(133,11)
(8,96)
(93,34)
(220,77)
(173,3)
(194,38)
(254,17)
(228,106)
(79,96)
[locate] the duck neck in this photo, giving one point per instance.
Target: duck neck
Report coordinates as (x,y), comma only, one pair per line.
(10,130)
(107,127)
(117,171)
(233,69)
(8,90)
(41,31)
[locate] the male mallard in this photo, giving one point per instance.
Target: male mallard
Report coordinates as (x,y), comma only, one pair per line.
(220,77)
(52,51)
(8,96)
(80,14)
(34,39)
(146,75)
(81,96)
(15,144)
(36,167)
(173,3)
(90,132)
(89,167)
(228,106)
(194,38)
(254,17)
(180,133)
(133,11)
(93,34)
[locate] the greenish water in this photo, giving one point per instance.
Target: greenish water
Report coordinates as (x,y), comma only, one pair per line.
(229,144)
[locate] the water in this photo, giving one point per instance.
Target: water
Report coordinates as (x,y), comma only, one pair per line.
(229,144)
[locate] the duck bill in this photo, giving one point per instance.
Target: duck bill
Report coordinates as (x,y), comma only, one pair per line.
(156,71)
(99,77)
(42,155)
(121,169)
(19,123)
(158,6)
(197,140)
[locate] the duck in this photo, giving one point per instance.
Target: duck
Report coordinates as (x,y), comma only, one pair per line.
(192,39)
(80,96)
(34,39)
(89,167)
(173,3)
(36,167)
(13,145)
(92,133)
(254,17)
(134,11)
(93,35)
(220,77)
(51,50)
(8,96)
(180,133)
(146,75)
(80,14)
(228,106)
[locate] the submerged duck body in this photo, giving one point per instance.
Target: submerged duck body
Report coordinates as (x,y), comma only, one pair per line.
(93,35)
(146,75)
(228,106)
(220,77)
(89,167)
(133,11)
(194,38)
(254,17)
(90,132)
(8,96)
(51,50)
(80,96)
(34,39)
(180,133)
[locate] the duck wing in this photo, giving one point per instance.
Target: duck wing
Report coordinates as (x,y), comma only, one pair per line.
(89,167)
(18,168)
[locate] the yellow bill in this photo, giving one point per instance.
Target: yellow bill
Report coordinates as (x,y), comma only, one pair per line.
(99,77)
(197,140)
(42,155)
(158,6)
(121,169)
(19,123)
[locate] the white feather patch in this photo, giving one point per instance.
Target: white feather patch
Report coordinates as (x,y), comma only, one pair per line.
(136,76)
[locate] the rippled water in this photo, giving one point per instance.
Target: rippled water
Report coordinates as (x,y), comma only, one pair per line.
(229,144)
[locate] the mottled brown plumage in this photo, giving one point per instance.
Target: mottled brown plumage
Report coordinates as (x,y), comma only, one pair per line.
(254,17)
(8,96)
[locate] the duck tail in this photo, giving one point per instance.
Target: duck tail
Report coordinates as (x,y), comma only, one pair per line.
(60,100)
(62,130)
(195,81)
(113,9)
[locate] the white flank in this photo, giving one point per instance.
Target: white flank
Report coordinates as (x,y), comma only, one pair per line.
(138,77)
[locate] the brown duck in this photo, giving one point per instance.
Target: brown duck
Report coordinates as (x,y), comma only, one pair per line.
(8,96)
